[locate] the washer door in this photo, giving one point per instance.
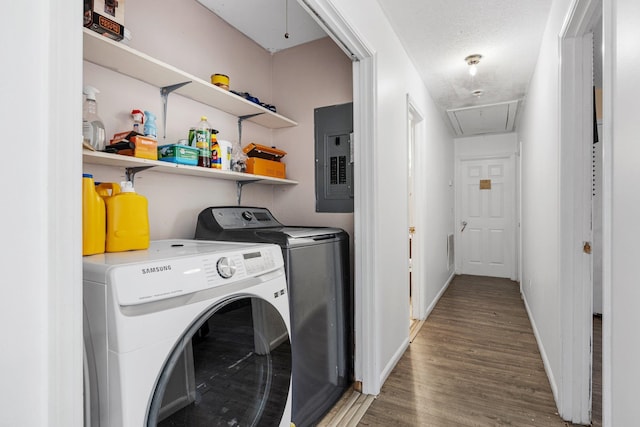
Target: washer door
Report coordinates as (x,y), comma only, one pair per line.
(231,367)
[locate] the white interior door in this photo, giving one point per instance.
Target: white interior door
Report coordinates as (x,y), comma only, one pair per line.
(486,202)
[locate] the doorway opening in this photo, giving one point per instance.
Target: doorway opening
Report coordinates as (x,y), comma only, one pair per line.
(414,119)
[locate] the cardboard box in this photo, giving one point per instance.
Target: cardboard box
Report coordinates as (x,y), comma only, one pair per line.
(258,166)
(145,147)
(180,154)
(105,17)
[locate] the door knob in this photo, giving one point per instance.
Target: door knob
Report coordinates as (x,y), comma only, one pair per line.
(464,225)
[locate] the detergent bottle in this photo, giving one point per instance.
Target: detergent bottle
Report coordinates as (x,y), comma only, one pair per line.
(127,220)
(93,218)
(107,189)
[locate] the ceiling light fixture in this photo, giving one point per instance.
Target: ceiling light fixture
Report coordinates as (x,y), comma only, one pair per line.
(286,19)
(472,61)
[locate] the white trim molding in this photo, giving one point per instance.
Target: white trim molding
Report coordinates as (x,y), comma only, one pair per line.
(576,136)
(367,310)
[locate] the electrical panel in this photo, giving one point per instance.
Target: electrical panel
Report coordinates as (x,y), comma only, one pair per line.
(334,158)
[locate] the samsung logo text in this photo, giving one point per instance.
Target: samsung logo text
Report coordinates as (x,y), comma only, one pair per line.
(156,269)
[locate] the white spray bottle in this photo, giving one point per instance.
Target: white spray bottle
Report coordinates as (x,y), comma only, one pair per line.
(92,127)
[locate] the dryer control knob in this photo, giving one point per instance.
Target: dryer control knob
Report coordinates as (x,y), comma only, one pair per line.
(226,267)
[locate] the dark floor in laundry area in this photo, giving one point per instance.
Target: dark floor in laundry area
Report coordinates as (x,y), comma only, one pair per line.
(234,385)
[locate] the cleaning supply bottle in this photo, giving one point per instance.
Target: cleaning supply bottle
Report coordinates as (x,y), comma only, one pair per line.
(215,151)
(93,218)
(127,220)
(138,120)
(150,129)
(202,141)
(92,127)
(238,158)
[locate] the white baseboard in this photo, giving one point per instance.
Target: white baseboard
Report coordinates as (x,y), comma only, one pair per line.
(393,361)
(405,344)
(438,296)
(543,353)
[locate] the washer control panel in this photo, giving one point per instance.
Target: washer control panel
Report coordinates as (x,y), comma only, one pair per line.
(147,282)
(226,267)
(238,217)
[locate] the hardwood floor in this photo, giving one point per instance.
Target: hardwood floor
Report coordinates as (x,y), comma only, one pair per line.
(474,362)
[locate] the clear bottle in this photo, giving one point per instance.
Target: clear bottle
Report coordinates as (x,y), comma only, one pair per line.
(238,158)
(202,141)
(92,127)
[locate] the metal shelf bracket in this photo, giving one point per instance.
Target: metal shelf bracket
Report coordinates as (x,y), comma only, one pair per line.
(164,93)
(240,120)
(130,173)
(240,184)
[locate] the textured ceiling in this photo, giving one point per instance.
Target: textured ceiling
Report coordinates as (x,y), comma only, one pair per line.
(437,35)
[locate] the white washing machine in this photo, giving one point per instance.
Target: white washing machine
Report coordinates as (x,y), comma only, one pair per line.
(188,333)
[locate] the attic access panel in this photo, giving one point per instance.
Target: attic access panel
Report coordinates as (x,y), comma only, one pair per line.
(482,119)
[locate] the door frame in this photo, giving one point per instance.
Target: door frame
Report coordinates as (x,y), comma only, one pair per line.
(418,304)
(513,275)
(366,304)
(576,292)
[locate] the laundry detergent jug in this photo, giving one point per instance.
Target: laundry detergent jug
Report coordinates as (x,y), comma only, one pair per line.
(127,220)
(93,218)
(107,189)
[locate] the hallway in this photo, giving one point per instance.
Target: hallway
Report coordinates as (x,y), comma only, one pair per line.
(475,362)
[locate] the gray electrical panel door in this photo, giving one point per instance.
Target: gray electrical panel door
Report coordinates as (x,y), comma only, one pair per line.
(334,158)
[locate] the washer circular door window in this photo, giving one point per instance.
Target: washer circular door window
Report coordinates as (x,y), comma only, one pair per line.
(232,367)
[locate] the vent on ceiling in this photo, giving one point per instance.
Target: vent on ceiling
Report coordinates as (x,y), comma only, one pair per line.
(481,119)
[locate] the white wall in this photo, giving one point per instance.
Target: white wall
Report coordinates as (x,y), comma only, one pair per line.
(621,316)
(487,145)
(41,307)
(395,77)
(539,133)
(305,77)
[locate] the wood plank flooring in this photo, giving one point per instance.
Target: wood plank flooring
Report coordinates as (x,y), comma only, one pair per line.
(474,362)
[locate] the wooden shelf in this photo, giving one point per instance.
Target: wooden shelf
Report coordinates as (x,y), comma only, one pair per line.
(122,59)
(117,160)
